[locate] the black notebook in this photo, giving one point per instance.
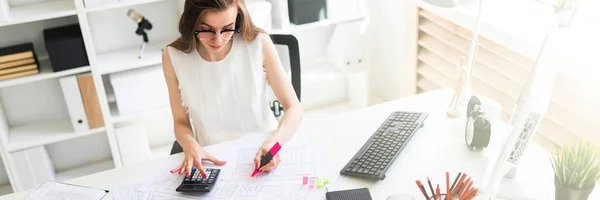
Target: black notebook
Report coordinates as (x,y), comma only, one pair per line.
(353,194)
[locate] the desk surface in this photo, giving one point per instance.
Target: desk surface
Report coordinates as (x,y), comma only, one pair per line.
(438,147)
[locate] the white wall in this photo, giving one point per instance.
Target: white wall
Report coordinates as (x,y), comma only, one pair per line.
(386,50)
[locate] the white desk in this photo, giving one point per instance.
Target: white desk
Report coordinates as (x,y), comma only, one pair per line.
(433,151)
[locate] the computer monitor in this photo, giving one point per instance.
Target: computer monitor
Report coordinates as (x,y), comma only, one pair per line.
(525,119)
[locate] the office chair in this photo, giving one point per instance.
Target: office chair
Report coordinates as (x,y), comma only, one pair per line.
(290,59)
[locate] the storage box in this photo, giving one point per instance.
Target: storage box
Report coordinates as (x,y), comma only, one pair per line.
(65,46)
(32,167)
(18,60)
(307,11)
(140,90)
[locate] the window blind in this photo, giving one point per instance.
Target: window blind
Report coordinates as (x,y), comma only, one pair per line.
(500,74)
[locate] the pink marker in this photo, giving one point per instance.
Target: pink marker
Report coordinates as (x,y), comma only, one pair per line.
(304,180)
(267,158)
(312,183)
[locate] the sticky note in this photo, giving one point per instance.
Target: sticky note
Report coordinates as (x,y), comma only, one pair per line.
(312,183)
(304,180)
(325,181)
(315,140)
(319,185)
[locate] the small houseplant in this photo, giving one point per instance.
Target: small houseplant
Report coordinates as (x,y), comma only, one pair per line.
(576,170)
(565,9)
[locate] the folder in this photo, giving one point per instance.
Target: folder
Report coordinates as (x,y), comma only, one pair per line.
(91,104)
(32,167)
(72,94)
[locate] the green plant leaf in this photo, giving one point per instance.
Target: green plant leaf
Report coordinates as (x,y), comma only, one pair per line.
(576,166)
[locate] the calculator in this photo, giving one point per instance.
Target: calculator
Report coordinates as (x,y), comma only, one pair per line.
(196,183)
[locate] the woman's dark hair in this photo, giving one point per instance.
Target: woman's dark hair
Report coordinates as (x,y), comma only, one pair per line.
(193,11)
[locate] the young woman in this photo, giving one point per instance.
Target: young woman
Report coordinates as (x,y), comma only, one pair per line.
(218,72)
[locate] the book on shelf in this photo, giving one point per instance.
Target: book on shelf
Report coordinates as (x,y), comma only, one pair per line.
(17,61)
(82,102)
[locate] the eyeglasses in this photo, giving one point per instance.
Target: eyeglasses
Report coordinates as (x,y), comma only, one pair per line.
(209,35)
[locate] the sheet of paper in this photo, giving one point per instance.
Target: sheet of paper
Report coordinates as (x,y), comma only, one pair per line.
(301,157)
(58,191)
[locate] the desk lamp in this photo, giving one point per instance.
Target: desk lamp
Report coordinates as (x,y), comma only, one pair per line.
(143,25)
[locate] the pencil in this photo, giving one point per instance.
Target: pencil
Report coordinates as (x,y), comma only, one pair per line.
(473,194)
(447,185)
(467,184)
(431,187)
(438,196)
(455,180)
(422,189)
(460,182)
(467,188)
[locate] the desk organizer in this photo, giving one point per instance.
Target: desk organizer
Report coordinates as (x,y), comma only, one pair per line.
(462,188)
(17,61)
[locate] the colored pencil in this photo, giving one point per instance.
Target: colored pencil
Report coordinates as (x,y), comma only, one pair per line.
(455,180)
(447,185)
(422,189)
(431,187)
(467,188)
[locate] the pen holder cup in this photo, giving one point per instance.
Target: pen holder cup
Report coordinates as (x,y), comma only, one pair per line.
(443,197)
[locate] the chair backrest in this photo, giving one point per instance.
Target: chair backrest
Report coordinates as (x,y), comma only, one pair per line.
(289,54)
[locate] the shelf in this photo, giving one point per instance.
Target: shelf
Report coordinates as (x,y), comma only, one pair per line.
(85,170)
(45,73)
(323,23)
(116,117)
(39,11)
(115,5)
(23,137)
(127,59)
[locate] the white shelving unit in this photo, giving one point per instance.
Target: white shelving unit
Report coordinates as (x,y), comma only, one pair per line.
(126,59)
(31,135)
(39,12)
(84,170)
(45,73)
(112,47)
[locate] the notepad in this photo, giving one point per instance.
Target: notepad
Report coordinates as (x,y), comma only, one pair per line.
(51,190)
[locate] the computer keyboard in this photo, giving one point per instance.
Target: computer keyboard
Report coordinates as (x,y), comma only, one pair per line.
(379,152)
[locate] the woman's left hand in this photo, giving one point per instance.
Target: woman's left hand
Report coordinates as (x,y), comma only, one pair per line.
(266,146)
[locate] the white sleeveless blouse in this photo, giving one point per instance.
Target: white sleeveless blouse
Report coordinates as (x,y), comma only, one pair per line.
(225,98)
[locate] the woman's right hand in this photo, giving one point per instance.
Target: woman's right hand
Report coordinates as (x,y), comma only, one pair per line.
(193,156)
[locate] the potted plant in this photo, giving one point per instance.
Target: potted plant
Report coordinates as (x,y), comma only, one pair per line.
(576,170)
(565,9)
